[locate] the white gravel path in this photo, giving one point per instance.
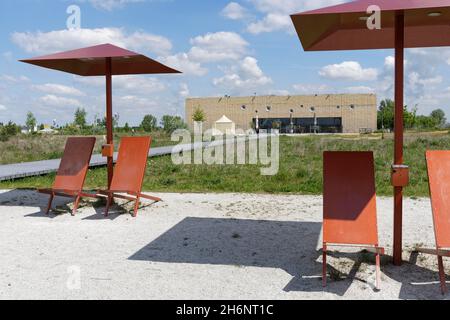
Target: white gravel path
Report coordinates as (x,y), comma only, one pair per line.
(200,246)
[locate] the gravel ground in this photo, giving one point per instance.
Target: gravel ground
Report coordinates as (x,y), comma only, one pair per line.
(201,246)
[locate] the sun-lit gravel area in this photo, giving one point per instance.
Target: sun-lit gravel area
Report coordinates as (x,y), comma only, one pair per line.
(201,246)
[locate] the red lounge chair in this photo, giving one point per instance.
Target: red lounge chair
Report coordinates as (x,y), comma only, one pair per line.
(349,205)
(72,171)
(129,172)
(438,163)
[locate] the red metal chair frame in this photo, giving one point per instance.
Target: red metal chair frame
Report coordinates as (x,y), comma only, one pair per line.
(129,173)
(438,164)
(72,172)
(349,212)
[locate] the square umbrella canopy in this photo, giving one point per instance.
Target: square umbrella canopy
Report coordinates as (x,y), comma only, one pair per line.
(404,24)
(102,60)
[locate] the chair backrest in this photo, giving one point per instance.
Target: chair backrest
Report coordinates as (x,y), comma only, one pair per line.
(349,199)
(438,163)
(74,164)
(130,168)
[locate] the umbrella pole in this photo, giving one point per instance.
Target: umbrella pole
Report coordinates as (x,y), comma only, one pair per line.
(398,140)
(109,116)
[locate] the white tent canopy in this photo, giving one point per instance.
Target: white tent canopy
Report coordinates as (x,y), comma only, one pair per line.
(224,119)
(224,126)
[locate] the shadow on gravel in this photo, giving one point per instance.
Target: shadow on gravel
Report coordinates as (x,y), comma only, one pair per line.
(31,198)
(290,246)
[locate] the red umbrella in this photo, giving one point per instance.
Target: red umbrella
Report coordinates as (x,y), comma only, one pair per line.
(102,60)
(404,24)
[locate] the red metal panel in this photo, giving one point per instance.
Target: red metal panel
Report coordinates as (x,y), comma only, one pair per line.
(109,118)
(398,134)
(91,62)
(341,27)
(385,5)
(131,164)
(439,179)
(349,199)
(74,164)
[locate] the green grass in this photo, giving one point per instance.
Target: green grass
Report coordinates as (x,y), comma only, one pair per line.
(26,148)
(300,168)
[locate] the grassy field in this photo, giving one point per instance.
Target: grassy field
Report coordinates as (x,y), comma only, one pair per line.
(26,148)
(300,168)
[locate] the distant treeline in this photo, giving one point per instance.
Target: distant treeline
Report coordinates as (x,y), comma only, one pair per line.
(436,120)
(80,126)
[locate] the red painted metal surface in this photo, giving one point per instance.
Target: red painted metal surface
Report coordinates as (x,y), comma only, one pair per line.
(439,179)
(438,163)
(349,204)
(341,27)
(398,132)
(102,60)
(109,115)
(131,164)
(404,24)
(72,172)
(74,164)
(91,62)
(129,172)
(349,199)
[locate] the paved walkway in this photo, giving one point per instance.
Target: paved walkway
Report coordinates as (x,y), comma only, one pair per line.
(37,168)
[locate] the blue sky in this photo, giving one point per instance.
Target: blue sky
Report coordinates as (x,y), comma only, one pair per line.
(223,47)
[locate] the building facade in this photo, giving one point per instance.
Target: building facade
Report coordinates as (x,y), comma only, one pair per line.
(329,113)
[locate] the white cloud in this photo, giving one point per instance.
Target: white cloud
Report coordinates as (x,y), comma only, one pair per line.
(139,84)
(13,79)
(2,107)
(389,62)
(182,62)
(219,46)
(58,89)
(360,89)
(348,70)
(243,76)
(279,92)
(55,101)
(234,11)
(184,90)
(128,83)
(208,48)
(276,13)
(136,100)
(61,40)
(311,88)
(422,79)
(271,22)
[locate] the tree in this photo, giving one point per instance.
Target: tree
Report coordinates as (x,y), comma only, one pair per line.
(31,121)
(386,115)
(8,130)
(439,116)
(172,123)
(102,122)
(126,128)
(409,117)
(80,117)
(149,122)
(425,122)
(199,115)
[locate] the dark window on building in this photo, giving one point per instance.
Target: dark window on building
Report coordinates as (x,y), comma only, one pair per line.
(301,125)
